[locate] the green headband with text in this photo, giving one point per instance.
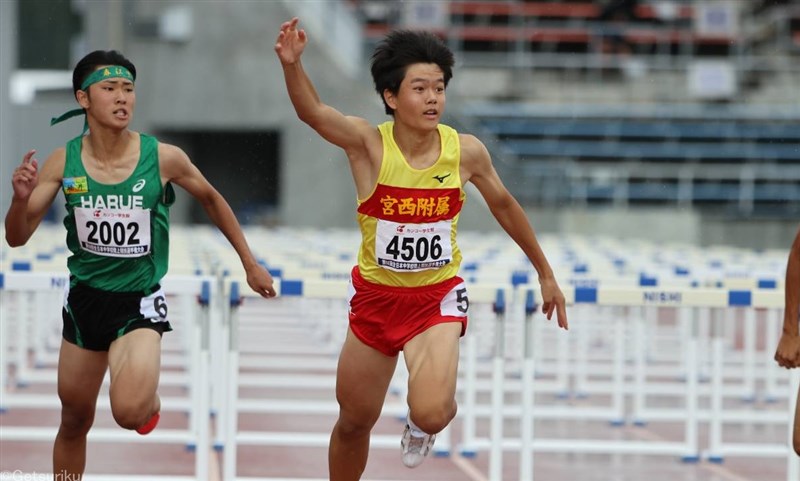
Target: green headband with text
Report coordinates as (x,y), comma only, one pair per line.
(105,73)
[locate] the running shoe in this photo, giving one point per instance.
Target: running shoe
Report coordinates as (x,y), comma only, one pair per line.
(149,425)
(415,448)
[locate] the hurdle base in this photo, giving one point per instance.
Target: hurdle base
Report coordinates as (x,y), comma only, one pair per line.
(468,453)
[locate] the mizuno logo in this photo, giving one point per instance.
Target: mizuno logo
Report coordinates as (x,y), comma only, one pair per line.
(441,178)
(140,185)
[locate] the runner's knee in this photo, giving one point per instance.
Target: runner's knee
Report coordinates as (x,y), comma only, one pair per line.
(131,415)
(76,423)
(353,424)
(433,419)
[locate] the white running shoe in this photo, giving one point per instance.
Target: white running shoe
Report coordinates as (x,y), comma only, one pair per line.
(415,448)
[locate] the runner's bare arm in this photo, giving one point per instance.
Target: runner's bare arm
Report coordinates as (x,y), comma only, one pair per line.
(360,140)
(34,192)
(476,167)
(343,131)
(176,167)
(788,352)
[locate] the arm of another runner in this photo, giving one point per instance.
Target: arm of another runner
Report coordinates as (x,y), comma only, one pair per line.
(788,352)
(34,192)
(177,168)
(476,167)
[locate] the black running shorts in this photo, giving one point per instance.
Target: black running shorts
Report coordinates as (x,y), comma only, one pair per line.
(94,318)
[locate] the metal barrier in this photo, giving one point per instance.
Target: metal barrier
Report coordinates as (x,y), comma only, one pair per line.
(635,337)
(36,321)
(691,302)
(315,289)
(629,311)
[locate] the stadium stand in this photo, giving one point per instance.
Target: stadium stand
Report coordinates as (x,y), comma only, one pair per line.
(573,27)
(738,153)
(740,157)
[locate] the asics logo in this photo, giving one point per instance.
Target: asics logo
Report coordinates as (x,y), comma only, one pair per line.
(139,185)
(441,178)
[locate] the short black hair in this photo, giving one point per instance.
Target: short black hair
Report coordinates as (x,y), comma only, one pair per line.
(401,48)
(96,59)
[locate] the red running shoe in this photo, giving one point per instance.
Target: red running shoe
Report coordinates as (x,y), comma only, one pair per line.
(149,425)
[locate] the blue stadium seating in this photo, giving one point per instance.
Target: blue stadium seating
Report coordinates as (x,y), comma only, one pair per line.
(740,156)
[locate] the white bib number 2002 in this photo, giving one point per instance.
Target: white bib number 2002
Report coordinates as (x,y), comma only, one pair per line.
(413,247)
(114,232)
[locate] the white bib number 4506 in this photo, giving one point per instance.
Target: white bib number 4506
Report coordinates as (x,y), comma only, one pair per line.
(413,247)
(114,232)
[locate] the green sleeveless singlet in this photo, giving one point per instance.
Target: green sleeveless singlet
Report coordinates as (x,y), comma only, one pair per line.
(118,234)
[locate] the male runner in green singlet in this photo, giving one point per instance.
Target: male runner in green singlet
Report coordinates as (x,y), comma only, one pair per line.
(117,184)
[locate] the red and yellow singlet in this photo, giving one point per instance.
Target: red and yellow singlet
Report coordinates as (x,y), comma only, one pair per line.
(408,223)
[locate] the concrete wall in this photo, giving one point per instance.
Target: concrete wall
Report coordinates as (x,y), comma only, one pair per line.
(220,78)
(8,59)
(754,234)
(224,78)
(23,128)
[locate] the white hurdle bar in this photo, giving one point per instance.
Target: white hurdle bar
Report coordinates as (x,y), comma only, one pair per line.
(311,289)
(690,300)
(195,437)
(688,448)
